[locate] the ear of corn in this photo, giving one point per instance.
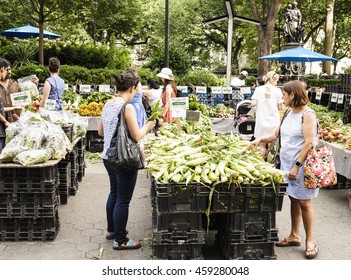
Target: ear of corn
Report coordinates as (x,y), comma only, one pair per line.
(207,159)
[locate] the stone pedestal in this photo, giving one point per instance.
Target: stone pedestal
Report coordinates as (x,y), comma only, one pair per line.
(292,70)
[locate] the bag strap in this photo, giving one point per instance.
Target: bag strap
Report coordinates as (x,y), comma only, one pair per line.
(287,111)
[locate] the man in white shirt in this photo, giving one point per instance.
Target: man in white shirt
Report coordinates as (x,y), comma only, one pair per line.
(239,81)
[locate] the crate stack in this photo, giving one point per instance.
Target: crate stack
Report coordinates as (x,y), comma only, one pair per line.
(29,203)
(347,110)
(247,229)
(81,159)
(177,231)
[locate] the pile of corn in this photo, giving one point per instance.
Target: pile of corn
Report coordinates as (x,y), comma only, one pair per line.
(207,159)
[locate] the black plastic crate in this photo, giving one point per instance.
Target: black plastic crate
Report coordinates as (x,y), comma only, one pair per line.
(29,212)
(81,144)
(68,129)
(29,229)
(31,179)
(324,99)
(178,237)
(247,198)
(174,197)
(74,186)
(65,180)
(178,252)
(249,227)
(176,222)
(249,251)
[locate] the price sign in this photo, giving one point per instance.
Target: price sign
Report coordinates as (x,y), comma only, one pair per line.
(201,90)
(84,88)
(227,90)
(193,116)
(184,89)
(66,87)
(104,88)
(216,90)
(334,97)
(20,98)
(245,90)
(318,95)
(179,105)
(340,98)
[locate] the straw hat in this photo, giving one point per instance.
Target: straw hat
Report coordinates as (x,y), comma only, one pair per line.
(166,73)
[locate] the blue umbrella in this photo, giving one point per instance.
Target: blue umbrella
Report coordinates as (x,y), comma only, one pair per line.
(27,32)
(299,54)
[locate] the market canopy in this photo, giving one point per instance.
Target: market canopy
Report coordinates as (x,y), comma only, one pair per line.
(28,31)
(299,54)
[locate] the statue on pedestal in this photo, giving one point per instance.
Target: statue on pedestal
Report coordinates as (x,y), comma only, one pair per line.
(293,24)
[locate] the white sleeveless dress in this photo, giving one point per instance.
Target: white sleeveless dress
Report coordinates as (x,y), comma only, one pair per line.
(291,144)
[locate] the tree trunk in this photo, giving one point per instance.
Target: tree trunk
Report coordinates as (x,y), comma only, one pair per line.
(329,35)
(265,32)
(41,43)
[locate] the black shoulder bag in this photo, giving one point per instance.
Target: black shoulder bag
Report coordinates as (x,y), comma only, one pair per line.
(124,152)
(273,153)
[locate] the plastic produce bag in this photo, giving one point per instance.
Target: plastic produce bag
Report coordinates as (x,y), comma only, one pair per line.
(31,157)
(27,84)
(57,141)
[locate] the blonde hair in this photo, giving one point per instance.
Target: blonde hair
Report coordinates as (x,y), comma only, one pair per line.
(269,76)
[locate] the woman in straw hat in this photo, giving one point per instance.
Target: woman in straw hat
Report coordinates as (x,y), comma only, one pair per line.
(168,92)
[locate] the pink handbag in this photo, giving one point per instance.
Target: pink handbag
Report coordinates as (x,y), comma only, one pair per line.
(319,169)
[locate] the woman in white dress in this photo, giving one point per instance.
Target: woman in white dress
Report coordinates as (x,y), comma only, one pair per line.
(153,94)
(298,134)
(268,99)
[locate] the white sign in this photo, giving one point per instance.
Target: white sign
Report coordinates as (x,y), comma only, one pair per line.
(318,95)
(104,88)
(245,90)
(50,104)
(184,89)
(201,90)
(84,88)
(216,90)
(20,98)
(66,87)
(340,98)
(227,90)
(179,105)
(334,98)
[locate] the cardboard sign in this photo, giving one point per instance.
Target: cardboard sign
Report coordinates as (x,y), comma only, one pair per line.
(216,90)
(84,88)
(227,90)
(201,89)
(318,95)
(104,88)
(334,98)
(193,116)
(340,98)
(245,90)
(179,105)
(20,98)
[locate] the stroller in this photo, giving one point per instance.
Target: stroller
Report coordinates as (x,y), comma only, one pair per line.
(243,122)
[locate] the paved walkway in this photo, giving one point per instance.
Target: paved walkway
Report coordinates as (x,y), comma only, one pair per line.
(83,224)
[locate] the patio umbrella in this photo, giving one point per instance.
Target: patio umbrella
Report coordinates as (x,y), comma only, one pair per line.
(27,32)
(299,54)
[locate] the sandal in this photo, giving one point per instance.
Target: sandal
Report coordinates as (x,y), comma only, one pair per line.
(311,251)
(111,235)
(284,242)
(126,245)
